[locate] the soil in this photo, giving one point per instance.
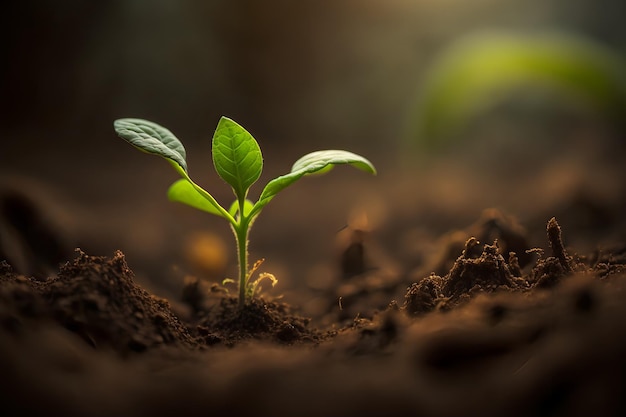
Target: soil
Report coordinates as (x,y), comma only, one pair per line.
(512,331)
(428,302)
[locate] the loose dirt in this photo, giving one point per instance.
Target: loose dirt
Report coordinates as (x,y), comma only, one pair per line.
(489,337)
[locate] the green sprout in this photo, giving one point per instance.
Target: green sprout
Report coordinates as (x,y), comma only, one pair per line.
(238,161)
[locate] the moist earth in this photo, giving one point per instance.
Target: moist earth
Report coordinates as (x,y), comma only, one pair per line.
(507,329)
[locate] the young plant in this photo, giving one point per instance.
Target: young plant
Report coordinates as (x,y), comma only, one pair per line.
(238,161)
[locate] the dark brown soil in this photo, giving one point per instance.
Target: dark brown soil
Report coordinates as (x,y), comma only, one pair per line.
(489,338)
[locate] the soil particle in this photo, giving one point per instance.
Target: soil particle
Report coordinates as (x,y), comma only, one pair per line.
(97,299)
(608,262)
(218,318)
(550,271)
(488,272)
(493,225)
(352,260)
(18,301)
(228,323)
(556,244)
(469,276)
(424,296)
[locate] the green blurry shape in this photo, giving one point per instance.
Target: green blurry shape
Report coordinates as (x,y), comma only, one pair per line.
(482,69)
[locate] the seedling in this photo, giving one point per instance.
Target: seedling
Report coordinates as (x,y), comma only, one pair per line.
(238,161)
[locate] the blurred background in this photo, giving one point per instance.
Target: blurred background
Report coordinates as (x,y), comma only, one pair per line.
(454,122)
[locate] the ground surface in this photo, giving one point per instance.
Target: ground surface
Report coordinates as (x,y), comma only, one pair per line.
(486,281)
(488,337)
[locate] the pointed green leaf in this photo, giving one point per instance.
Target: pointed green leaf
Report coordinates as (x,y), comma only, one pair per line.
(315,162)
(236,156)
(152,138)
(183,191)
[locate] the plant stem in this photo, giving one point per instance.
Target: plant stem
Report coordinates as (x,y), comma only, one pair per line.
(241,235)
(242,248)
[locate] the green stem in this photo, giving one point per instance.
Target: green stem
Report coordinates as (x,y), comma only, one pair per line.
(241,235)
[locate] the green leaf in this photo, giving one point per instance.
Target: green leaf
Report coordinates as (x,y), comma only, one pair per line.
(314,162)
(152,138)
(183,191)
(236,156)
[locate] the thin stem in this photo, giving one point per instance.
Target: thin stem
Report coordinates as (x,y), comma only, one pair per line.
(242,251)
(241,234)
